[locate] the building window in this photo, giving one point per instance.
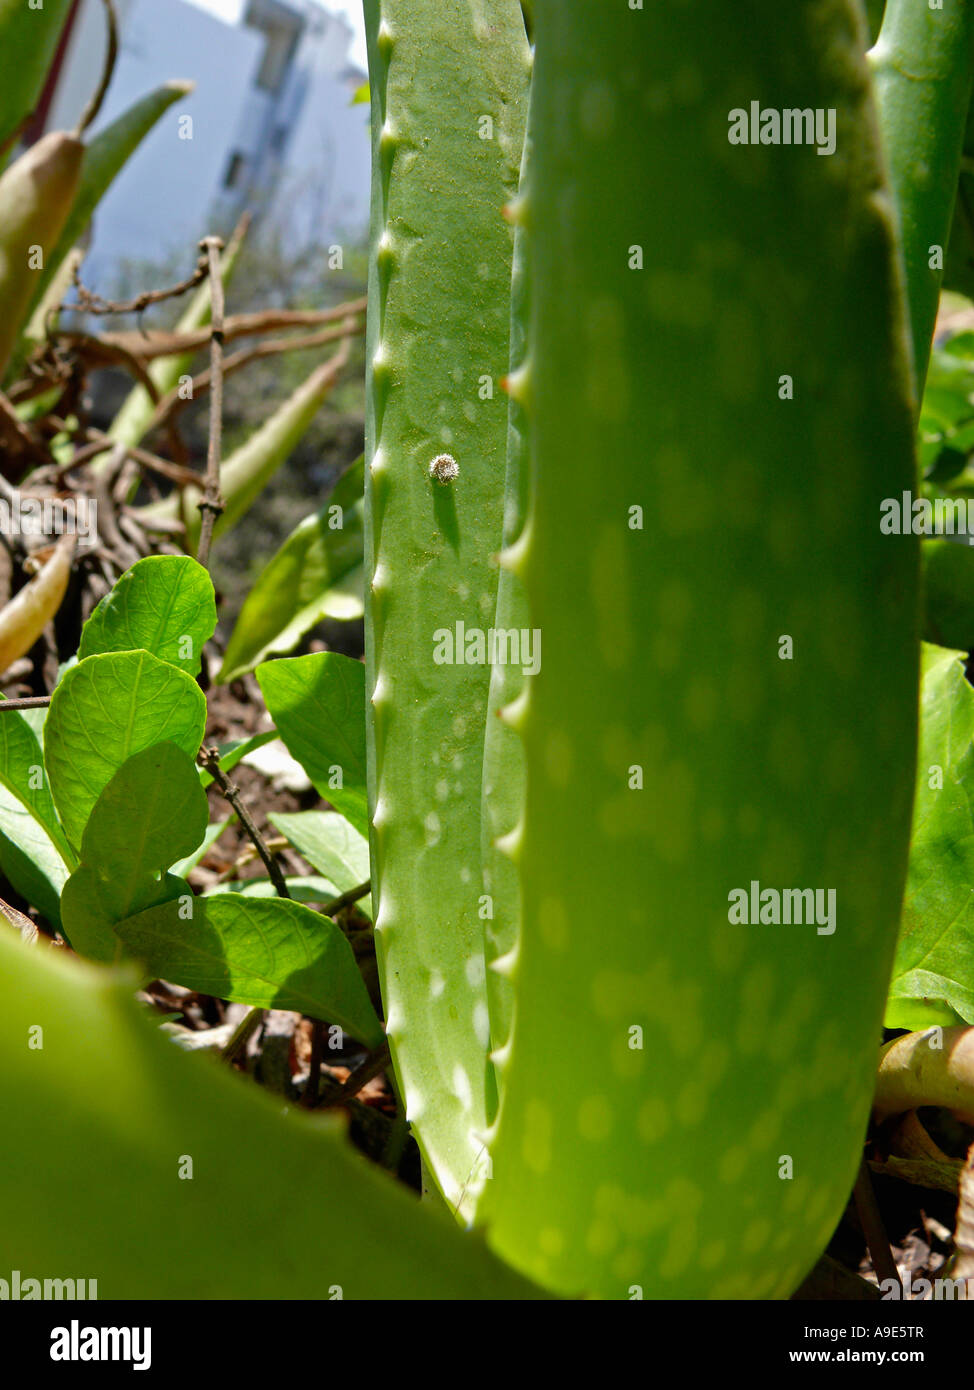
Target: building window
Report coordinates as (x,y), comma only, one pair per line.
(281,41)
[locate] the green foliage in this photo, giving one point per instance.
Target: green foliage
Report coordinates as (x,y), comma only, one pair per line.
(317,703)
(22,776)
(125,858)
(331,845)
(164,605)
(270,953)
(310,889)
(933,975)
(317,573)
(105,709)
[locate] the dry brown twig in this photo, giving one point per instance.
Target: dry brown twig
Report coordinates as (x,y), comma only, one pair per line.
(211,504)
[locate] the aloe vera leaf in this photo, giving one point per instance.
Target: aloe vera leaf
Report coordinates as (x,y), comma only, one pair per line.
(135,1107)
(503,774)
(28,39)
(712,1069)
(923,66)
(37,192)
(27,614)
(104,158)
(317,573)
(438,329)
(136,411)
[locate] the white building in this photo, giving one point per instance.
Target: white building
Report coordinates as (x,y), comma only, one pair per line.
(271,125)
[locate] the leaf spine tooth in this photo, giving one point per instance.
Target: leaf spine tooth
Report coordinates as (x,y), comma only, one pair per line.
(516,211)
(500,1057)
(385,39)
(380,693)
(517,384)
(381,364)
(506,967)
(413,1106)
(515,557)
(386,249)
(381,814)
(389,139)
(514,714)
(510,845)
(379,464)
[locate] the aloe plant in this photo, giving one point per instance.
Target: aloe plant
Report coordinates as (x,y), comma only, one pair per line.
(635,895)
(30,35)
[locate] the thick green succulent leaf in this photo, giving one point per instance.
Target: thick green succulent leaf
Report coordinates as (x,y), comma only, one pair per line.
(317,703)
(152,812)
(959,271)
(747,710)
(164,604)
(105,709)
(270,953)
(503,775)
(135,1107)
(104,158)
(28,39)
(449,82)
(933,975)
(316,574)
(923,65)
(331,845)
